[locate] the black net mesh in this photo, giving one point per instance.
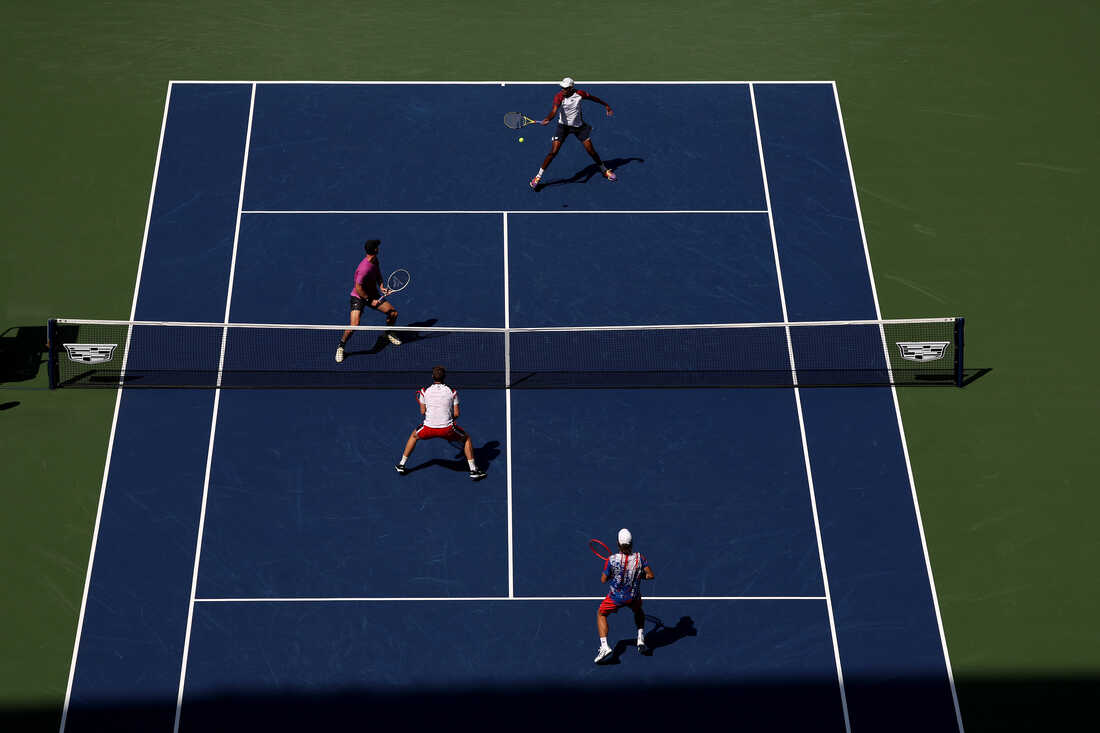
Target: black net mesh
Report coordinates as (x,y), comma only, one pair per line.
(107,354)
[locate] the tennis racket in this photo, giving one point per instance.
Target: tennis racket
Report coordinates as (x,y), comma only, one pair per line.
(397,281)
(597,547)
(515,120)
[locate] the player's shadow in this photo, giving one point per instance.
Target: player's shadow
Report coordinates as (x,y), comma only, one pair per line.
(382,341)
(483,456)
(663,635)
(409,337)
(586,174)
(660,636)
(22,350)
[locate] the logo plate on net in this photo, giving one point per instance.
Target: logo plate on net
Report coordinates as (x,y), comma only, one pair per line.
(90,353)
(922,350)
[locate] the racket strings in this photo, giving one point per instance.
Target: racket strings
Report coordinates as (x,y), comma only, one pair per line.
(398,280)
(515,120)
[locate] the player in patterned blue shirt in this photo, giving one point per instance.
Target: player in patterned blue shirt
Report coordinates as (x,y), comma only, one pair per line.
(625,571)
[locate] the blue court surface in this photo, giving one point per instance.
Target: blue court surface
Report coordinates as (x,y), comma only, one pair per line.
(259,565)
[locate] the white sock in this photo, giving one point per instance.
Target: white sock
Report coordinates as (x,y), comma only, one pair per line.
(641,634)
(403,459)
(473,466)
(603,642)
(541,171)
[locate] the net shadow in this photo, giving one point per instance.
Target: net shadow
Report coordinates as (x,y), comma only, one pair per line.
(972,375)
(247,356)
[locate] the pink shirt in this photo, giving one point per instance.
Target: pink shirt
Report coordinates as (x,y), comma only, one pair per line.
(367,275)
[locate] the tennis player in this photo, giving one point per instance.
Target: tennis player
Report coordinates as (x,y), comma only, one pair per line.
(367,292)
(567,106)
(625,571)
(439,406)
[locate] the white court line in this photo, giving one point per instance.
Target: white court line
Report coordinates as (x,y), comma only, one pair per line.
(802,424)
(553,82)
(401,599)
(502,211)
(114,421)
(214,420)
(901,427)
(508,410)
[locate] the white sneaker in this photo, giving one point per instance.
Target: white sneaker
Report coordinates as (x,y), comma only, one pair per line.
(393,338)
(603,653)
(339,354)
(642,648)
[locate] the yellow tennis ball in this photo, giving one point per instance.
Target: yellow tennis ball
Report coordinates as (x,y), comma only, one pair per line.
(521,139)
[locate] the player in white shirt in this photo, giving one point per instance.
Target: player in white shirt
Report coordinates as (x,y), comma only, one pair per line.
(439,406)
(567,106)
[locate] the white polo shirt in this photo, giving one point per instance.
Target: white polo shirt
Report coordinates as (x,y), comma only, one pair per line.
(439,402)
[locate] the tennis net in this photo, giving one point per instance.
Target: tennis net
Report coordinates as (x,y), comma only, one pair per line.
(86,353)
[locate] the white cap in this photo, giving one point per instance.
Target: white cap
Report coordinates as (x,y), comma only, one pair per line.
(566,82)
(625,537)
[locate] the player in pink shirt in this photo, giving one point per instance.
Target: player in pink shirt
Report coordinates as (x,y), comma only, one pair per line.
(367,292)
(624,571)
(567,106)
(439,406)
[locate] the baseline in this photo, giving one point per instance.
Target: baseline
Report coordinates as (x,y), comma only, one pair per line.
(372,599)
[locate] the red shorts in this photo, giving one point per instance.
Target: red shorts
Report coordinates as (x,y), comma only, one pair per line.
(454,433)
(610,606)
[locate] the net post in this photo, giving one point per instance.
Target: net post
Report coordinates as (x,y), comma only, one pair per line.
(959,375)
(51,361)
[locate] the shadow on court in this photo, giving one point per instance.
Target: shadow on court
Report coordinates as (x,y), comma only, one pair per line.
(970,375)
(22,350)
(657,635)
(585,174)
(988,704)
(483,456)
(381,341)
(661,635)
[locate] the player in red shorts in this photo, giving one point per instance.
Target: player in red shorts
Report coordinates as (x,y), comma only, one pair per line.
(567,106)
(625,570)
(439,406)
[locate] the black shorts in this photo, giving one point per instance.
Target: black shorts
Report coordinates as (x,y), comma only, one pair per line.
(360,304)
(563,131)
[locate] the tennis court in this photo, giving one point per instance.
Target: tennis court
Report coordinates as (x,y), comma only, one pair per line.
(256,555)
